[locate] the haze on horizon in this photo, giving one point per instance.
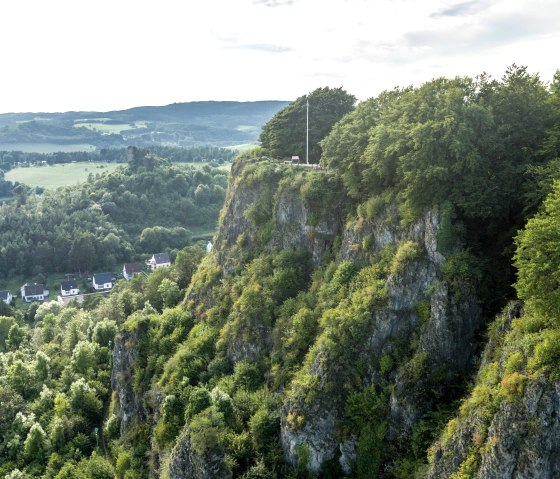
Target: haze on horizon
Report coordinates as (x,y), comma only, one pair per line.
(101,56)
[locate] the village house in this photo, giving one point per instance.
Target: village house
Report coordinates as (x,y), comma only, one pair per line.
(130,269)
(103,281)
(34,292)
(6,296)
(158,260)
(69,288)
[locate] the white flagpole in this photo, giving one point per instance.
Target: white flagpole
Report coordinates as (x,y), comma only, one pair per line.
(307,137)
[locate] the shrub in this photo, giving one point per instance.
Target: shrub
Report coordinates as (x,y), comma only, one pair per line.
(405,254)
(206,431)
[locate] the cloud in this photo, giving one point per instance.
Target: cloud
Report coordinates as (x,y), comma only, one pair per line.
(461,9)
(274,3)
(494,32)
(263,47)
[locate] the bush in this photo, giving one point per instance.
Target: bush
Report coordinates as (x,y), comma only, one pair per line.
(206,431)
(199,400)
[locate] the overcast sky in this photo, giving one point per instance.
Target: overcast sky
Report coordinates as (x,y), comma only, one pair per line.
(61,55)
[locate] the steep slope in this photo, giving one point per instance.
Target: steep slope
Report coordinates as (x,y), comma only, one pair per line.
(351,357)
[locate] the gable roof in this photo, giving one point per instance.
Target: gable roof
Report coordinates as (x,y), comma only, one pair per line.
(33,289)
(101,278)
(133,268)
(161,258)
(68,285)
(4,294)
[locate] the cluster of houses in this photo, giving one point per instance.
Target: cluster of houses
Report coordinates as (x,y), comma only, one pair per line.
(101,282)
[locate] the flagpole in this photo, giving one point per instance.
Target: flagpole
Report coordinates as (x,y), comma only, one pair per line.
(307,136)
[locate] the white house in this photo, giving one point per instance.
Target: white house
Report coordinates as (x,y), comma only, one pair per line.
(159,260)
(130,269)
(34,292)
(209,246)
(6,296)
(103,281)
(69,288)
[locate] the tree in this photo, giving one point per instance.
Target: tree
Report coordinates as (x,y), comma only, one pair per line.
(285,134)
(82,253)
(6,322)
(185,265)
(170,293)
(538,259)
(36,443)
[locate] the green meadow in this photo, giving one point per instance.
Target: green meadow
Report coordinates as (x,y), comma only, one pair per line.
(54,176)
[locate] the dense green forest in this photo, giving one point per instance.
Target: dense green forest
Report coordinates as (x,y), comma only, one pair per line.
(379,316)
(143,208)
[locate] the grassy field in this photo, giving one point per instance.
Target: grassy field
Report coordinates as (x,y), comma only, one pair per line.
(46,147)
(53,176)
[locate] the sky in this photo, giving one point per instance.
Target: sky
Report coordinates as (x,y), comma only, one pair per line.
(102,55)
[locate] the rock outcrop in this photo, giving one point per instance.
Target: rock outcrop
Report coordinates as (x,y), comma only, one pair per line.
(445,343)
(186,463)
(129,405)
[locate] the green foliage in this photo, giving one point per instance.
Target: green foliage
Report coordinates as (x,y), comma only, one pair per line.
(546,356)
(199,400)
(538,258)
(461,269)
(285,134)
(407,251)
(170,292)
(418,142)
(206,431)
(36,444)
(108,220)
(368,462)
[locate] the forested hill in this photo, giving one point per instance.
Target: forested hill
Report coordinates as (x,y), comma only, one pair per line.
(392,312)
(219,123)
(145,207)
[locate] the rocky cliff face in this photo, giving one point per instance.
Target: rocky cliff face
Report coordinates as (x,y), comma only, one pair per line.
(186,463)
(444,338)
(436,325)
(292,221)
(504,429)
(129,405)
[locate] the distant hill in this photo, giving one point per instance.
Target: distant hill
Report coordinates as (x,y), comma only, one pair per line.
(219,123)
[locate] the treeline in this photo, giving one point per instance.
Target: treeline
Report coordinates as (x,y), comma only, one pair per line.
(145,207)
(195,154)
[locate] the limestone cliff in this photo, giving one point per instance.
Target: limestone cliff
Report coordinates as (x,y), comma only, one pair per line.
(420,309)
(436,325)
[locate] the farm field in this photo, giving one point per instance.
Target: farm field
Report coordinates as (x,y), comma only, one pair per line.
(54,176)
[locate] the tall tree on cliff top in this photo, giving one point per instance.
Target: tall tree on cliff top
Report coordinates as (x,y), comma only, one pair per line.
(285,134)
